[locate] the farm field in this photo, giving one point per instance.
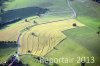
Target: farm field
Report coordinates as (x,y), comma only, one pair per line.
(52,34)
(44,37)
(5,53)
(12,31)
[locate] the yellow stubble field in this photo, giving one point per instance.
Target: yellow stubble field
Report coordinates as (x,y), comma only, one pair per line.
(41,39)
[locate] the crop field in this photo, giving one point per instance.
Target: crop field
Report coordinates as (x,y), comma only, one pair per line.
(52,29)
(43,38)
(11,33)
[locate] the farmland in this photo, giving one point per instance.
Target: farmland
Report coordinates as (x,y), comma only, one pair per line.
(43,40)
(52,34)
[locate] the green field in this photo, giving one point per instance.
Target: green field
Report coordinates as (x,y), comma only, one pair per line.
(80,42)
(83,41)
(5,53)
(58,9)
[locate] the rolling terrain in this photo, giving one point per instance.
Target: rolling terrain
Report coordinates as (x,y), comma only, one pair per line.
(53,34)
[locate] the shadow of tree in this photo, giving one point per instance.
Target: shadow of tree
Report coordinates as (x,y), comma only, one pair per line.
(23,13)
(11,15)
(8,44)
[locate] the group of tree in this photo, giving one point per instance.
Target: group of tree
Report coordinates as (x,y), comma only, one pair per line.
(8,42)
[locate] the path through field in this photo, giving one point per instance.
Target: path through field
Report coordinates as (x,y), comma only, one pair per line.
(74,13)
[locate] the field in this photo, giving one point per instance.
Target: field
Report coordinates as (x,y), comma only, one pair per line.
(44,37)
(53,35)
(54,9)
(11,32)
(82,42)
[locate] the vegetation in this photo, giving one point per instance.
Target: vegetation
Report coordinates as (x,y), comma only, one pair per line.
(2,6)
(80,42)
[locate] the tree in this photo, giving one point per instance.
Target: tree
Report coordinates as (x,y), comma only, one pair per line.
(55,48)
(98,32)
(14,42)
(74,24)
(35,23)
(26,20)
(29,51)
(33,34)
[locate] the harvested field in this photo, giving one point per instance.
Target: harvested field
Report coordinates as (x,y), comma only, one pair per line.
(41,39)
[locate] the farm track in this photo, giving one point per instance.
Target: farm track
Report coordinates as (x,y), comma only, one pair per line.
(74,12)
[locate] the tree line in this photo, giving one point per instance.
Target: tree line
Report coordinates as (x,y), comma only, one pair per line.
(8,44)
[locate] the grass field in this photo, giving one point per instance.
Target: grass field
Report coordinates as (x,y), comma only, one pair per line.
(83,41)
(55,11)
(41,39)
(6,53)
